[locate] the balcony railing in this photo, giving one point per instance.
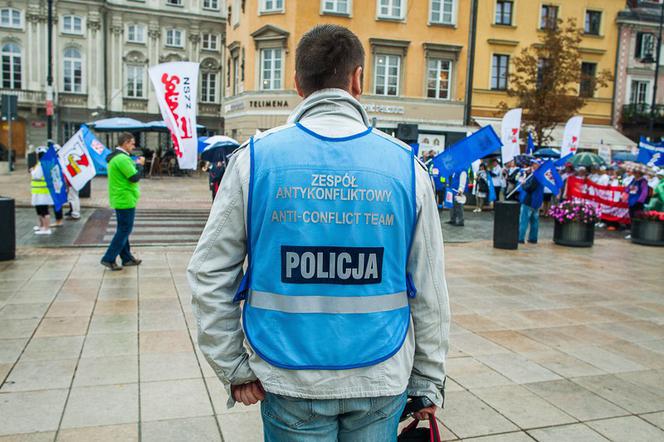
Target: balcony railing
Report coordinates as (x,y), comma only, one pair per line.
(634,114)
(26,97)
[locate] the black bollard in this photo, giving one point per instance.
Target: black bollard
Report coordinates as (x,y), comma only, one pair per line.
(506,225)
(7,229)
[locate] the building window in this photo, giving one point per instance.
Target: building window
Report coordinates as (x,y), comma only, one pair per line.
(72,24)
(639,92)
(210,42)
(442,11)
(504,12)
(439,78)
(272,5)
(174,2)
(174,38)
(11,18)
(549,17)
(386,77)
(11,66)
(593,21)
(270,69)
(73,71)
(645,46)
(211,4)
(499,72)
(587,84)
(209,87)
(391,9)
(228,73)
(136,34)
(543,71)
(336,6)
(69,129)
(236,75)
(135,76)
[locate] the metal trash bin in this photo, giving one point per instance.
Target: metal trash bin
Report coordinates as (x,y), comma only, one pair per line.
(85,190)
(506,225)
(7,229)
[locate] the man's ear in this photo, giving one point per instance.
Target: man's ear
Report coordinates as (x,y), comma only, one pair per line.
(356,82)
(297,86)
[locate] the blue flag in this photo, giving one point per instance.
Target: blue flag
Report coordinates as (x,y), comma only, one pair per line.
(531,145)
(651,154)
(549,177)
(563,160)
(416,148)
(492,190)
(461,155)
(55,181)
(449,199)
(98,152)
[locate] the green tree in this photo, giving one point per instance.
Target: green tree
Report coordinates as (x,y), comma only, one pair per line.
(545,80)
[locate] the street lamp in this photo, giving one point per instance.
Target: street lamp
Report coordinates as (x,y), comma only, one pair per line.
(651,123)
(49,77)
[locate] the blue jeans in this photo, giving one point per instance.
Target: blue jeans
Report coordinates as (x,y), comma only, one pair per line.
(120,243)
(528,216)
(344,420)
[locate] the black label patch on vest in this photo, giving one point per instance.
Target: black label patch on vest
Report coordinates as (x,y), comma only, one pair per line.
(331,265)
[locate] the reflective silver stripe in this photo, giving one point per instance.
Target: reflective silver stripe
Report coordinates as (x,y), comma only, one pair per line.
(328,304)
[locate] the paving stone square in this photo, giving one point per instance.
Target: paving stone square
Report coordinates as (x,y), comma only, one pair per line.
(559,344)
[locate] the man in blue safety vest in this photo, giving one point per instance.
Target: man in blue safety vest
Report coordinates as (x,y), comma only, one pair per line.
(343,299)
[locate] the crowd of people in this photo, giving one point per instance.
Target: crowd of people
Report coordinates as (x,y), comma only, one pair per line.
(643,189)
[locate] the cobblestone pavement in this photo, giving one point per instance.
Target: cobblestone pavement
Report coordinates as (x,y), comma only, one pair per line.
(185,192)
(548,343)
(170,226)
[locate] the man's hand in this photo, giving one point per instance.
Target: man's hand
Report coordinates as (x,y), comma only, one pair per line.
(141,161)
(248,394)
(424,413)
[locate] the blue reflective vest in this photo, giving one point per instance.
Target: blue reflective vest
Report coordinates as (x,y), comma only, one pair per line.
(330,223)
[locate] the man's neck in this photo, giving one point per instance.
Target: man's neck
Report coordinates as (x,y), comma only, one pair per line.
(122,150)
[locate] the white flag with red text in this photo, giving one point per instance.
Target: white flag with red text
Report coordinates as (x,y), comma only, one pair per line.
(176,85)
(75,161)
(509,135)
(571,136)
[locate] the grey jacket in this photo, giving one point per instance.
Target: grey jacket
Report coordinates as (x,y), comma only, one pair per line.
(216,269)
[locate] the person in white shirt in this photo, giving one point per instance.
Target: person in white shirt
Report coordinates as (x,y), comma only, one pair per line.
(603,178)
(497,177)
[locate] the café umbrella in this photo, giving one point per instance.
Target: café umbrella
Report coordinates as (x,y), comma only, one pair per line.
(547,152)
(217,147)
(587,159)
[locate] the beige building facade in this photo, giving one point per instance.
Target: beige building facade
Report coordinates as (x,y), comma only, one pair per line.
(415,66)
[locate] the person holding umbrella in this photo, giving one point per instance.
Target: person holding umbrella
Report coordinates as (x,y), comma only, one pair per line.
(214,151)
(216,172)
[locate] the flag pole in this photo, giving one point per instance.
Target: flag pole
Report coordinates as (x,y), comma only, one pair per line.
(520,184)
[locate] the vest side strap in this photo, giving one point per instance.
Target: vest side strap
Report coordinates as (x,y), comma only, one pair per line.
(328,304)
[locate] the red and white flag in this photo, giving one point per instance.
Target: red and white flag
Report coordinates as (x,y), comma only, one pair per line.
(571,136)
(509,135)
(176,85)
(75,161)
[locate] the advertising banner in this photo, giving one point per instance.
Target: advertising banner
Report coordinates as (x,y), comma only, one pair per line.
(176,86)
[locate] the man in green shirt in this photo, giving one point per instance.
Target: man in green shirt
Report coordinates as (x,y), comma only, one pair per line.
(123,194)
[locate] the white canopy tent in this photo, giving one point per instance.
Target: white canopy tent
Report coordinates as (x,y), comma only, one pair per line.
(593,137)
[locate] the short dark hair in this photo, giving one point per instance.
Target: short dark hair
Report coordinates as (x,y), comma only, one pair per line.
(326,57)
(124,137)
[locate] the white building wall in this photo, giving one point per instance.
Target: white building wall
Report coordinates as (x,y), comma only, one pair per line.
(105,53)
